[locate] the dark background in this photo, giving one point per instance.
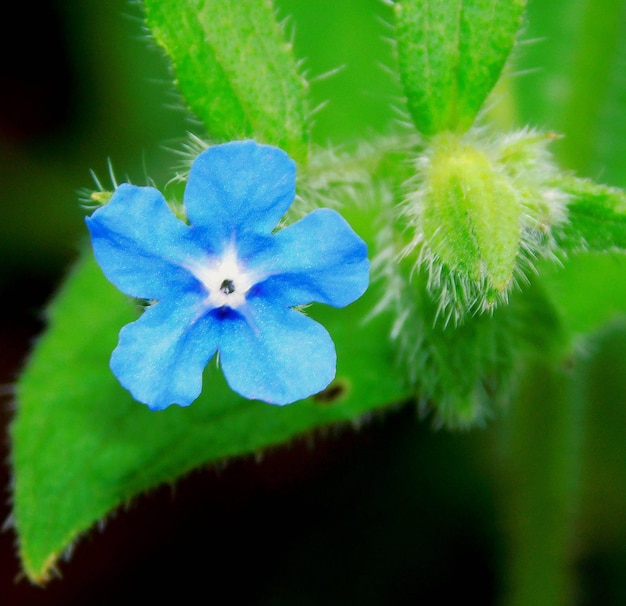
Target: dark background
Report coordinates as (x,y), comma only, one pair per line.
(391,513)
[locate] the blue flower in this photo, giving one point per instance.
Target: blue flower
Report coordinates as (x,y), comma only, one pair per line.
(227,283)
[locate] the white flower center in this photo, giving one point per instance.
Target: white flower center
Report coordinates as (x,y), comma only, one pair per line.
(227,282)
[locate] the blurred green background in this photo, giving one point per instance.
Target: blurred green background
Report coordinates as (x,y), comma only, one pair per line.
(393,512)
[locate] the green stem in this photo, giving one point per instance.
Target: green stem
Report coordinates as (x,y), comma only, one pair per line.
(542,475)
(596,79)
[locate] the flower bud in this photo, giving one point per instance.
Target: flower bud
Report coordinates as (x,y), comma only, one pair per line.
(466,214)
(471,215)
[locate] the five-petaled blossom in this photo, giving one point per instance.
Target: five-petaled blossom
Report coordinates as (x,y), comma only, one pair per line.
(225,281)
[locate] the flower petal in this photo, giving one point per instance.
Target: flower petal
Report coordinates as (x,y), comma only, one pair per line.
(141,246)
(318,259)
(161,356)
(239,187)
(276,355)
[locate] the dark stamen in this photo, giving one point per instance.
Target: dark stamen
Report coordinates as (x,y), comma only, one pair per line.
(227,287)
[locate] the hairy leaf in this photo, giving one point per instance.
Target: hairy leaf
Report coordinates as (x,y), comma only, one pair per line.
(234,68)
(82,446)
(574,82)
(596,217)
(451,54)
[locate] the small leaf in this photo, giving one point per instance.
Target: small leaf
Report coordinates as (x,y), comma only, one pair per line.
(451,54)
(234,69)
(575,82)
(594,238)
(596,217)
(81,446)
(589,291)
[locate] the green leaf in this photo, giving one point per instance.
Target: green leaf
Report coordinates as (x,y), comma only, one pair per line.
(598,93)
(588,289)
(575,82)
(234,69)
(451,54)
(81,446)
(596,217)
(588,292)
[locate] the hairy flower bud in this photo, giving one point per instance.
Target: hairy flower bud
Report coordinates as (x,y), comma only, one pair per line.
(475,211)
(470,215)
